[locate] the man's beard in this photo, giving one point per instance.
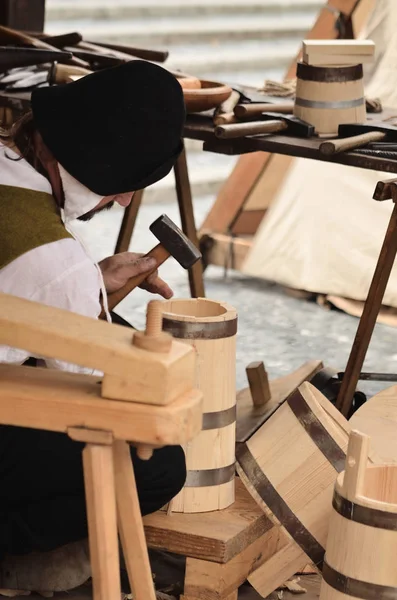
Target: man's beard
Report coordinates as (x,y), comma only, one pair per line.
(88,216)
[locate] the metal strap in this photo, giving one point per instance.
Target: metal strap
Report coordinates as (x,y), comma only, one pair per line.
(278,506)
(334,105)
(210,477)
(217,420)
(356,588)
(317,432)
(379,519)
(188,330)
(329,74)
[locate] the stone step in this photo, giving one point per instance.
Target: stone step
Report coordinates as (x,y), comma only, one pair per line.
(170,31)
(124,9)
(258,55)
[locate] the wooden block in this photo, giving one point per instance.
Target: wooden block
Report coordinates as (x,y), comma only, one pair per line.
(258,383)
(130,373)
(214,581)
(216,536)
(90,436)
(336,60)
(337,47)
(226,251)
(57,401)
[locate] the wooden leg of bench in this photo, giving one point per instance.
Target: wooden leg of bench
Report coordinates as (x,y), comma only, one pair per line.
(128,223)
(131,530)
(102,521)
(185,202)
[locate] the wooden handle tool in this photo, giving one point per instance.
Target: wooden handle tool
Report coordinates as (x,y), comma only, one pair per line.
(247,111)
(173,242)
(227,132)
(331,147)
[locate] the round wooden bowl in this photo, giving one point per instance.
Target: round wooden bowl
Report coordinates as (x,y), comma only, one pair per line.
(210,95)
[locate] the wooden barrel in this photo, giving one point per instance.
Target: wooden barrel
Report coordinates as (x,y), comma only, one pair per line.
(360,561)
(210,327)
(290,465)
(329,96)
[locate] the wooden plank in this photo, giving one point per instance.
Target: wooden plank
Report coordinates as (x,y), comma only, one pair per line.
(214,581)
(54,333)
(102,521)
(337,59)
(258,383)
(225,251)
(56,401)
(247,222)
(216,536)
(338,47)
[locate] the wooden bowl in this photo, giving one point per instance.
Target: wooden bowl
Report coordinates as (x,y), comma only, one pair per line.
(190,83)
(210,95)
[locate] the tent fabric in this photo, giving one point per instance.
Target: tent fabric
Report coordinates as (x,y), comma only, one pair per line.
(323,232)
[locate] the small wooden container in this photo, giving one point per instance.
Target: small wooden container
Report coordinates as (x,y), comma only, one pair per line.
(360,561)
(326,97)
(210,327)
(291,463)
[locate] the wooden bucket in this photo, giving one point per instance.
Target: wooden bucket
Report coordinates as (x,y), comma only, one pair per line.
(290,465)
(360,561)
(210,327)
(326,97)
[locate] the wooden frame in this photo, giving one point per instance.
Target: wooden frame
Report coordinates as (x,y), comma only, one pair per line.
(257,177)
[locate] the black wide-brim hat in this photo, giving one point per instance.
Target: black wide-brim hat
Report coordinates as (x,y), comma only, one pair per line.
(117,130)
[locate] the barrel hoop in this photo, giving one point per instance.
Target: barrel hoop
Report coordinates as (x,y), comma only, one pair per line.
(210,477)
(379,519)
(329,74)
(356,588)
(186,330)
(342,104)
(317,432)
(278,506)
(217,420)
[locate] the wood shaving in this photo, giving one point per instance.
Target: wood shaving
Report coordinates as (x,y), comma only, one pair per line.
(292,585)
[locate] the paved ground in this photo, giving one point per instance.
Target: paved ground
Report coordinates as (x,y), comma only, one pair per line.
(282,331)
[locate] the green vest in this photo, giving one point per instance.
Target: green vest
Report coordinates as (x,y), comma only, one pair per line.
(28,219)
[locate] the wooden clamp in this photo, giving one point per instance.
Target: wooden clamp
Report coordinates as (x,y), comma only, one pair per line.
(386,190)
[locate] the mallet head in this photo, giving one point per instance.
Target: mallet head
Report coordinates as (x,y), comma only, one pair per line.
(175,241)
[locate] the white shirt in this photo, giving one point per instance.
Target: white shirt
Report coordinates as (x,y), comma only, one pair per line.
(60,274)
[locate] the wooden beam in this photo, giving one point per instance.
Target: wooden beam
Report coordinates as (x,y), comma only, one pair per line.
(27,15)
(225,251)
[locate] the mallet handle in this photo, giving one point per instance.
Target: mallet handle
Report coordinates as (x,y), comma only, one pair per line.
(245,111)
(160,254)
(351,143)
(227,132)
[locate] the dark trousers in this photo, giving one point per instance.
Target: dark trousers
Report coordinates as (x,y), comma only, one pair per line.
(42,500)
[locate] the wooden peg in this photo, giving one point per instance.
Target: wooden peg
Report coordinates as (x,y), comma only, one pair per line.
(356,464)
(153,338)
(259,383)
(144,452)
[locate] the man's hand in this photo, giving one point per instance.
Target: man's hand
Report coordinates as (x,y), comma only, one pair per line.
(118,269)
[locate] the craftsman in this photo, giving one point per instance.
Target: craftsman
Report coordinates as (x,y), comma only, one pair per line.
(84,146)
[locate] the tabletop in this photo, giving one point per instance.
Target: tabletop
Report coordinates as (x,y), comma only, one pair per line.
(201,127)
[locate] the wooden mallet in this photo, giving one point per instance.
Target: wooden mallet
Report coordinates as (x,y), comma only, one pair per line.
(173,242)
(270,123)
(356,135)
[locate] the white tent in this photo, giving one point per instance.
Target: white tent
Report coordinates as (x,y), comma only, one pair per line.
(323,231)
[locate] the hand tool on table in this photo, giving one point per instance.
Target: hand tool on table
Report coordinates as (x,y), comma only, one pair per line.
(11,57)
(356,135)
(13,37)
(59,74)
(173,242)
(144,53)
(61,40)
(255,109)
(271,123)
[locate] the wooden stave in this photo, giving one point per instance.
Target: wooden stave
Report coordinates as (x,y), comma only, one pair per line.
(200,332)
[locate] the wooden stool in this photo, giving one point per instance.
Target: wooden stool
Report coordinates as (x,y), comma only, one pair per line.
(91,413)
(222,547)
